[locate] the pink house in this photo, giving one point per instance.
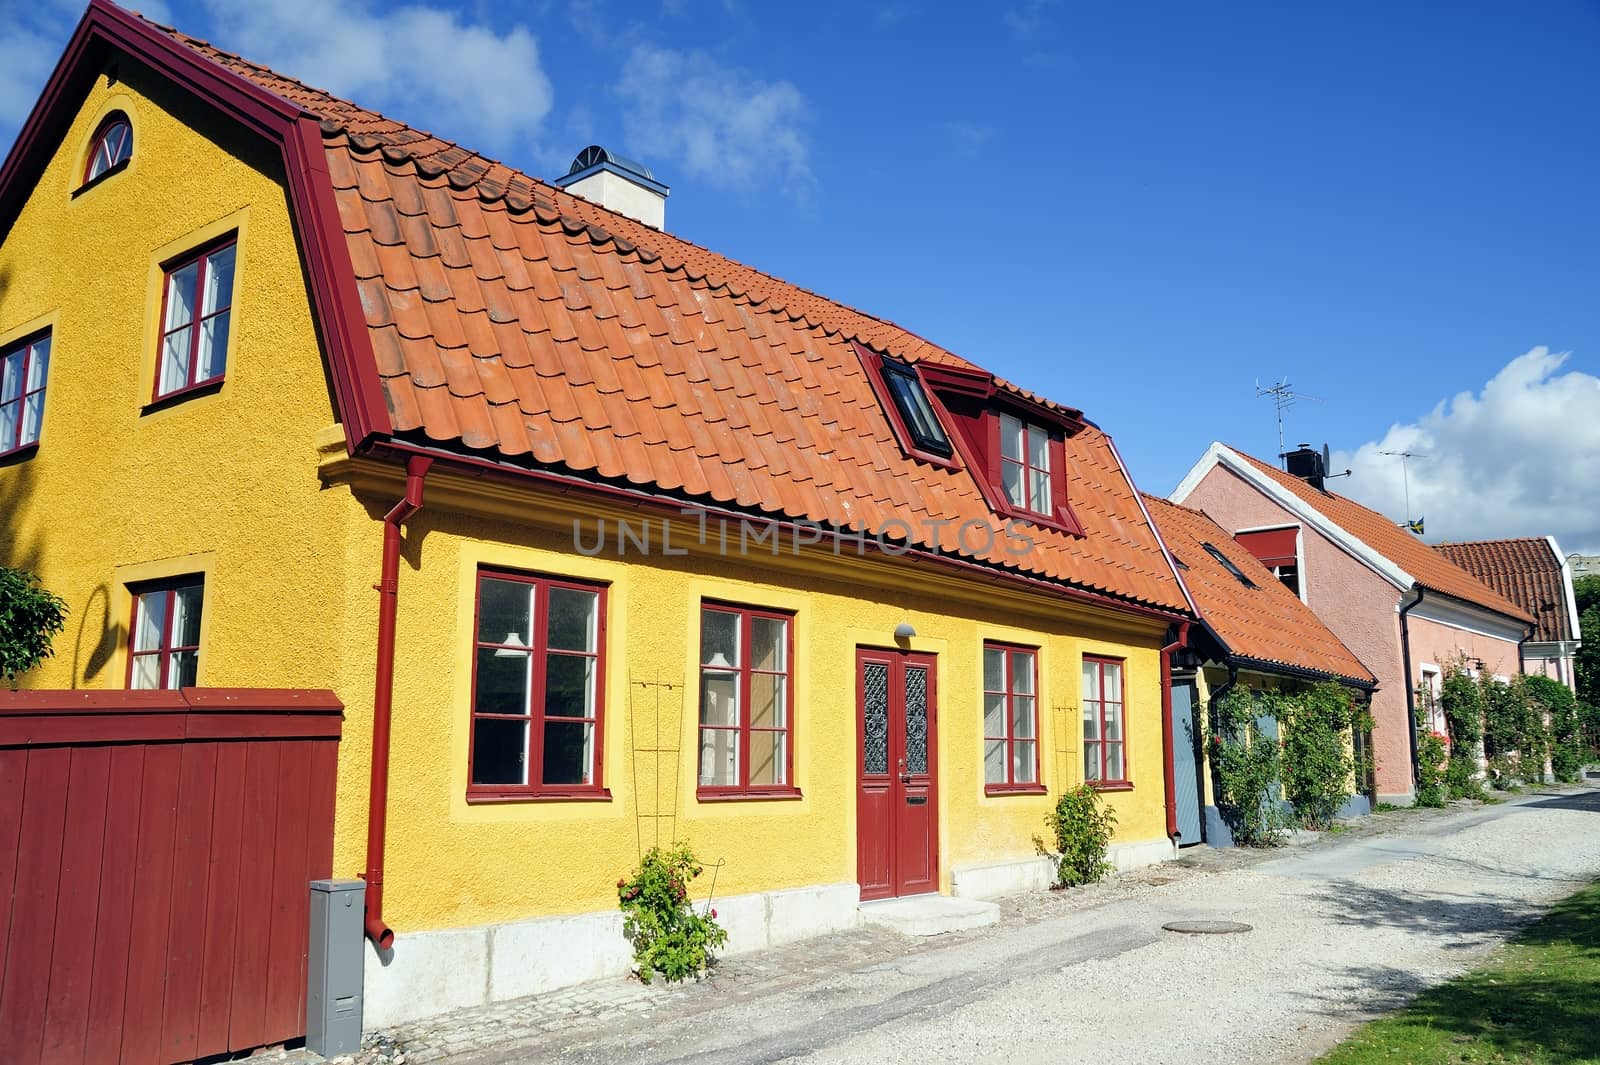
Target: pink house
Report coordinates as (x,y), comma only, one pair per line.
(1532,572)
(1401,606)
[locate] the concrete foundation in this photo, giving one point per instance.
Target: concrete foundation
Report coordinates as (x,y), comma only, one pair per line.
(429,973)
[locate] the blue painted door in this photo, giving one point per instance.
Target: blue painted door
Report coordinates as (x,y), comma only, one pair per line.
(1185,762)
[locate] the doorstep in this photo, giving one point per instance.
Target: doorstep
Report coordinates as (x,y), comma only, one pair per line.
(930,915)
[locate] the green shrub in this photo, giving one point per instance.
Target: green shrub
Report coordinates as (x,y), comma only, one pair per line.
(1513,734)
(668,936)
(1317,763)
(1431,769)
(1555,700)
(1461,699)
(1245,766)
(30,618)
(1082,825)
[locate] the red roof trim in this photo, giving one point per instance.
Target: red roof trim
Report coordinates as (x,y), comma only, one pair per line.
(335,301)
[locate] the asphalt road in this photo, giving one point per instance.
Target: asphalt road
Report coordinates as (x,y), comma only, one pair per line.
(1341,930)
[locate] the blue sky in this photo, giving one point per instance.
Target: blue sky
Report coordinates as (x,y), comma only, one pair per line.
(1140,210)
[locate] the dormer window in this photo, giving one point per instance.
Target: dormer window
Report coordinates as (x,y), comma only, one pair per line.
(916,412)
(1025,465)
(111,148)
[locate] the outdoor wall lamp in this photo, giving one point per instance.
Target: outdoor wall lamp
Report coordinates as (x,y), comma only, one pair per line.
(904,631)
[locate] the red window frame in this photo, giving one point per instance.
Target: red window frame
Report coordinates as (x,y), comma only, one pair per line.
(203,257)
(1012,786)
(1024,463)
(538,647)
(1060,515)
(28,347)
(123,154)
(744,789)
(1122,783)
(164,650)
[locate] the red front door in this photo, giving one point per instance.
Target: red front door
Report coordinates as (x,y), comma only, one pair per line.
(897,822)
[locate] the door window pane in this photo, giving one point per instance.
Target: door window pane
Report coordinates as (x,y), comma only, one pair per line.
(916,719)
(875,715)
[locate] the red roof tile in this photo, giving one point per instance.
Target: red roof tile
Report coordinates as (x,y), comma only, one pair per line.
(1427,567)
(1267,623)
(756,395)
(1525,571)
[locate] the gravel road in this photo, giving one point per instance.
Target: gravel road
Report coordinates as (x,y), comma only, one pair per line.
(1342,929)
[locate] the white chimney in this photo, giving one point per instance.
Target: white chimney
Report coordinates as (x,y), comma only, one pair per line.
(622,185)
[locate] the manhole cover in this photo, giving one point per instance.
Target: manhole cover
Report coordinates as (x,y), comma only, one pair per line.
(1205,928)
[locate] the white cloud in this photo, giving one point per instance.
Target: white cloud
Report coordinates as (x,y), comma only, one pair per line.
(422,65)
(713,122)
(1520,458)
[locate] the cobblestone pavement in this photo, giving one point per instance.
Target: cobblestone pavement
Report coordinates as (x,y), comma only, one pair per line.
(838,998)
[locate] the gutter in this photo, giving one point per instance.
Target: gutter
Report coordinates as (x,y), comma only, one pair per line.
(680,507)
(1180,638)
(388,588)
(1411,694)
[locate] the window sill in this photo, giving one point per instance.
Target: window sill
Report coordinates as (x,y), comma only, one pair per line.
(746,794)
(177,396)
(1111,785)
(486,795)
(103,175)
(1014,789)
(1062,520)
(19,454)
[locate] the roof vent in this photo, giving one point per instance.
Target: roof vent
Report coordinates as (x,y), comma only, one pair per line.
(622,185)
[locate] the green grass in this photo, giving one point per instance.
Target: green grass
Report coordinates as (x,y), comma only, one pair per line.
(1386,808)
(1536,1002)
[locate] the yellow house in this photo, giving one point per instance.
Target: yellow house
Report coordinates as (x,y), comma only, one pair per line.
(663,547)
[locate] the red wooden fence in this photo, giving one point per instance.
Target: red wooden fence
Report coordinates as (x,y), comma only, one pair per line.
(154,854)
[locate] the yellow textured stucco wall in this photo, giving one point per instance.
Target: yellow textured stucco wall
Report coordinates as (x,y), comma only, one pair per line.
(454,863)
(228,484)
(223,483)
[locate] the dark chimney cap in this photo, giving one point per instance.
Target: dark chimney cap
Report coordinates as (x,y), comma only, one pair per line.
(1306,464)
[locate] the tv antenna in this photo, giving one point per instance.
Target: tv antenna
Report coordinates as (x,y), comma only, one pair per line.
(1405,458)
(1283,397)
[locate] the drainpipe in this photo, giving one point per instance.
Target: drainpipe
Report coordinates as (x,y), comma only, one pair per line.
(1411,694)
(383,698)
(1180,638)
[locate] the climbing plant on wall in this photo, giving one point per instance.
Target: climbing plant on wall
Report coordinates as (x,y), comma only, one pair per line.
(1245,766)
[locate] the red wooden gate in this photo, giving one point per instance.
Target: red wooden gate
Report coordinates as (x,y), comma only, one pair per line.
(154,854)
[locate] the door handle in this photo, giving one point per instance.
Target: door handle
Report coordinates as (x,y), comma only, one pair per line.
(905,778)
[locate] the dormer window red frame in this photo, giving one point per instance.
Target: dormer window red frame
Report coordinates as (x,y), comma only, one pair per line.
(912,411)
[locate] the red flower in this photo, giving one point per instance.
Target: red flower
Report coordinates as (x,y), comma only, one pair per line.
(621,883)
(713,915)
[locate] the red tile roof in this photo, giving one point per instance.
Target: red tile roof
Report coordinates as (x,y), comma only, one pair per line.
(1426,566)
(1267,623)
(1525,571)
(510,317)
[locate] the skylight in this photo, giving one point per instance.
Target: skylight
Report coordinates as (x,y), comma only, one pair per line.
(1227,563)
(911,400)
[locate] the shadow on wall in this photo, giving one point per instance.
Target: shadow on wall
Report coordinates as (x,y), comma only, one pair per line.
(90,627)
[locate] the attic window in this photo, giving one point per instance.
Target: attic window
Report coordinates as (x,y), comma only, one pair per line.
(1025,465)
(111,148)
(916,412)
(1227,564)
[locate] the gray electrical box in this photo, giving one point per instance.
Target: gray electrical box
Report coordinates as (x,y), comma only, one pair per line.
(334,967)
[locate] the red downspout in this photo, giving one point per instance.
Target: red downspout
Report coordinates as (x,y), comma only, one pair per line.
(383,697)
(1168,765)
